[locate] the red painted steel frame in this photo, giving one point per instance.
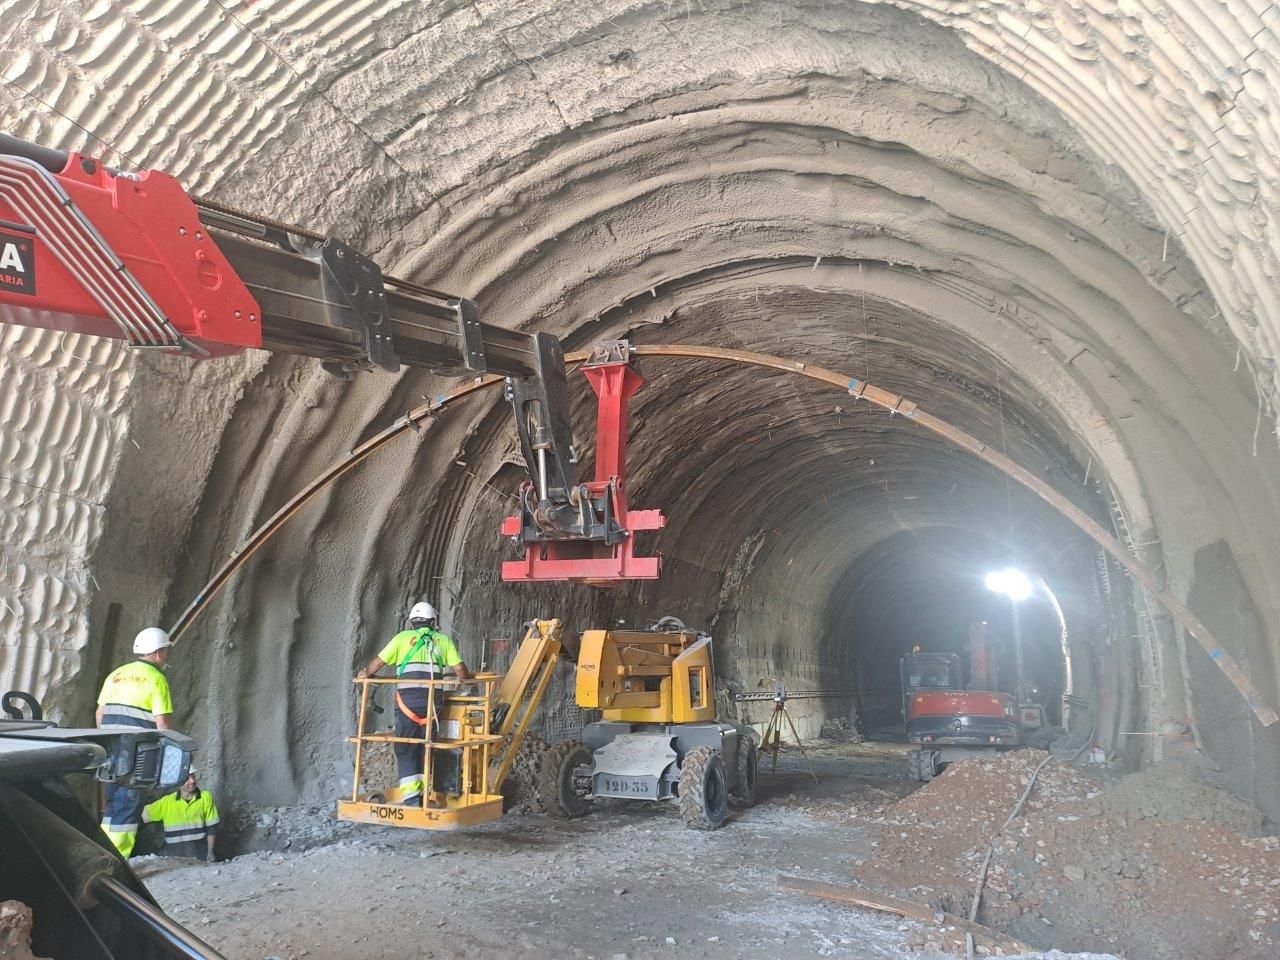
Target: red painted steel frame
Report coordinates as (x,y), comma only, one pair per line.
(588,561)
(153,226)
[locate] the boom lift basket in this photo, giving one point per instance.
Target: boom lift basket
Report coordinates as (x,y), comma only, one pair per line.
(468,755)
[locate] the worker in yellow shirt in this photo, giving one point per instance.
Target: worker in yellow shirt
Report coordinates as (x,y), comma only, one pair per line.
(189,818)
(135,695)
(419,653)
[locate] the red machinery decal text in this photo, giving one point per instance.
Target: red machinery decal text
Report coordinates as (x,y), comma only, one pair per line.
(17,264)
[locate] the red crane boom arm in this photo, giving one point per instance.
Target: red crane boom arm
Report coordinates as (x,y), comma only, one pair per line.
(90,249)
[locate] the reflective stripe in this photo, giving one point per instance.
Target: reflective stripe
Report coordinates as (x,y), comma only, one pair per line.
(110,827)
(184,837)
(419,671)
(121,715)
(125,710)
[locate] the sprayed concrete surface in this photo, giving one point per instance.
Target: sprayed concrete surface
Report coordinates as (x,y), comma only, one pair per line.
(627,880)
(1049,223)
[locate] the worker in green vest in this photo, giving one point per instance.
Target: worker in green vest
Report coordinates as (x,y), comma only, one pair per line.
(134,695)
(419,653)
(189,818)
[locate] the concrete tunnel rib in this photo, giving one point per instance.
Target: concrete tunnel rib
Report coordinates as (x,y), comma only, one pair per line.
(859,390)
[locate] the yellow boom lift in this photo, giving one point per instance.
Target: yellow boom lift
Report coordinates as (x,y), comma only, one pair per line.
(658,738)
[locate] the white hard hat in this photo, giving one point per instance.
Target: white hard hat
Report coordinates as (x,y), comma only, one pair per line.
(149,641)
(422,611)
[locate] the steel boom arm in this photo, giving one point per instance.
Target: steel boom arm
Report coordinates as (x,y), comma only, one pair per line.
(90,249)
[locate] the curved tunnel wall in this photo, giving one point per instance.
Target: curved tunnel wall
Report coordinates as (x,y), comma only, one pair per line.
(848,185)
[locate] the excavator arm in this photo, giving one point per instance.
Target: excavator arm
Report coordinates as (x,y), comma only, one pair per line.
(91,249)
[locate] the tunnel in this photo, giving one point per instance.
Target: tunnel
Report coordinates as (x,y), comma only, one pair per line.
(935,204)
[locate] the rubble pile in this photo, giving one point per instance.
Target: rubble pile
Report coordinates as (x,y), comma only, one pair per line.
(281,828)
(1143,867)
(840,730)
(520,789)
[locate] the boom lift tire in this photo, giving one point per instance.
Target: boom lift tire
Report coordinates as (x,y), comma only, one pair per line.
(748,764)
(556,793)
(704,789)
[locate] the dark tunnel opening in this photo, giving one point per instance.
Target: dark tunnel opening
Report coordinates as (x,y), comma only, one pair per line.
(926,588)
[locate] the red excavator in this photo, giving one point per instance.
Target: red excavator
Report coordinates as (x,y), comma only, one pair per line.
(949,721)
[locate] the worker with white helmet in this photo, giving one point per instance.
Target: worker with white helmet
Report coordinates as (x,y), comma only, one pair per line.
(419,653)
(135,695)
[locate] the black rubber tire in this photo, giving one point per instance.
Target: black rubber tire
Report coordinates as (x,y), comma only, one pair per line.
(744,795)
(556,795)
(704,789)
(921,765)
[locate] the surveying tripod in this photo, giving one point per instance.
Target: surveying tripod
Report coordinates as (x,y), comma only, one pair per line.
(773,729)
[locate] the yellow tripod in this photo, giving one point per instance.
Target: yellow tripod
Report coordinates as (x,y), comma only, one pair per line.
(772,740)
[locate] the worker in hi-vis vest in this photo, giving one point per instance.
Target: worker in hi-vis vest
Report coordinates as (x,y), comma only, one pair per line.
(419,653)
(135,695)
(189,818)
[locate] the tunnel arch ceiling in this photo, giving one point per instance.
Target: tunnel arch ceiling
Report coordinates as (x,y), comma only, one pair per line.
(848,184)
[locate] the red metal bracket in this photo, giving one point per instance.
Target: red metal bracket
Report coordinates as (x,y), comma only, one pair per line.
(118,255)
(594,561)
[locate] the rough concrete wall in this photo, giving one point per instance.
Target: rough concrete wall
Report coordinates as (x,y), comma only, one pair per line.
(61,402)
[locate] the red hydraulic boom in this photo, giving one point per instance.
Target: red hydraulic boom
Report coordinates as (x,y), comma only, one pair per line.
(87,248)
(589,538)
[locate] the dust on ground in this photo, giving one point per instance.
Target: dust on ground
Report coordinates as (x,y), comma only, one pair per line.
(1137,867)
(627,881)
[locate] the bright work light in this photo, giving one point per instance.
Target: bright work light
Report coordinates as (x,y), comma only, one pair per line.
(1014,584)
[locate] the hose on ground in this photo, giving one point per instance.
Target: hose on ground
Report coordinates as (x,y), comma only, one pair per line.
(1017,808)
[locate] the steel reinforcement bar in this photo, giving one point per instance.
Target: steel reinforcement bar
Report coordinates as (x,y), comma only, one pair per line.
(894,403)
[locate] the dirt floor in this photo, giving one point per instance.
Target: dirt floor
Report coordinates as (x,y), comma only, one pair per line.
(630,881)
(1154,866)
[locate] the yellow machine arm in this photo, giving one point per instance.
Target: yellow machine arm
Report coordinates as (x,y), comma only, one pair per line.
(637,676)
(521,691)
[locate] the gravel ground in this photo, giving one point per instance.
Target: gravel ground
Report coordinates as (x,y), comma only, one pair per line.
(1155,866)
(626,881)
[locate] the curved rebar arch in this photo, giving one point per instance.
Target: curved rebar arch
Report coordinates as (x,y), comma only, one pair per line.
(859,390)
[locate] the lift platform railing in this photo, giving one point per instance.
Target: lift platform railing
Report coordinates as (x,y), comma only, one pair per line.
(469,748)
(456,754)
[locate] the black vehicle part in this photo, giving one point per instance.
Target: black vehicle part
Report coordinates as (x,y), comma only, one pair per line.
(744,793)
(59,863)
(704,789)
(541,407)
(558,791)
(152,922)
(32,704)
